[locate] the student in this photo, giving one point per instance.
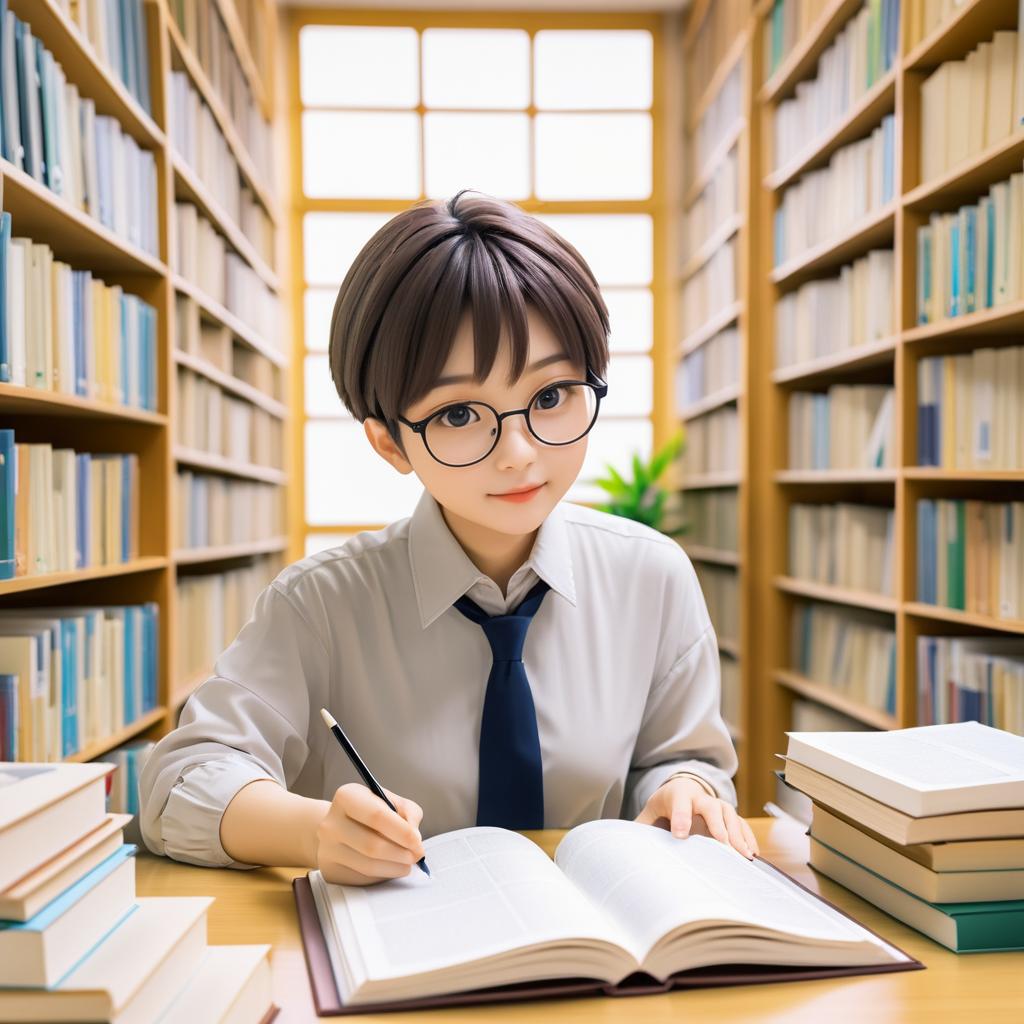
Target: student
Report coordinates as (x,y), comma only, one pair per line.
(471,341)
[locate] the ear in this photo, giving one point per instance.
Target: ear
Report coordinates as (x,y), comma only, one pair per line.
(384,445)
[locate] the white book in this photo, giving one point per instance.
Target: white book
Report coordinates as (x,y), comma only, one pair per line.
(232,986)
(497,910)
(930,770)
(40,951)
(132,976)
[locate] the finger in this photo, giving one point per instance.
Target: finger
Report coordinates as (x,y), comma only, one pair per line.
(733,826)
(372,844)
(654,809)
(408,809)
(682,816)
(748,833)
(346,857)
(710,809)
(373,812)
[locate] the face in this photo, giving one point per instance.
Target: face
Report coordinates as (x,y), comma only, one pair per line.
(470,494)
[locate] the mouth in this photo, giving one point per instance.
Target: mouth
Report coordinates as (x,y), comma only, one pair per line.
(521,495)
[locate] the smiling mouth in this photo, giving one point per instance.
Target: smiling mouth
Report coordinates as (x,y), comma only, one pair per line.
(513,494)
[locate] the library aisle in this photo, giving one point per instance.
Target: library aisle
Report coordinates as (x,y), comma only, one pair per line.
(819,279)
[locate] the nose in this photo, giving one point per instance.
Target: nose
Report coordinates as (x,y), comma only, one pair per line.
(517,447)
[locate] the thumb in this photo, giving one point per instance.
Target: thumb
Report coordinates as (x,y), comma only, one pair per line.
(656,807)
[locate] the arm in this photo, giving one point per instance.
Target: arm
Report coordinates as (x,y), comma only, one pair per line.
(247,722)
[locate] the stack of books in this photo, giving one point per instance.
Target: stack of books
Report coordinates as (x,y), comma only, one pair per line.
(76,943)
(926,823)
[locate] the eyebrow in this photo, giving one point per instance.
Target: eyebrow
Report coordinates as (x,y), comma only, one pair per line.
(558,357)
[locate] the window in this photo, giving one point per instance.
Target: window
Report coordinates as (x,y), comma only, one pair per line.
(396,111)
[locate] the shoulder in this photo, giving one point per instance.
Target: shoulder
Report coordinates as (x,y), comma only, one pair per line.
(366,559)
(622,542)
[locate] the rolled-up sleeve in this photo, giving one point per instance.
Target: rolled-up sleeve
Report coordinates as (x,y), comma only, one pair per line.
(248,721)
(682,729)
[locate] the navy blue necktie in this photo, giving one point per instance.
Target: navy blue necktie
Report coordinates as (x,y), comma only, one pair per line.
(511,791)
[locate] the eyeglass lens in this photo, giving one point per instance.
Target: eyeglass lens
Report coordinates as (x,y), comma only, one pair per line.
(467,432)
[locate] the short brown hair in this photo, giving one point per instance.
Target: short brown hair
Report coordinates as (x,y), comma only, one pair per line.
(400,304)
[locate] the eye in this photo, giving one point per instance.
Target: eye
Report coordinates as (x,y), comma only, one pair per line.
(549,398)
(457,416)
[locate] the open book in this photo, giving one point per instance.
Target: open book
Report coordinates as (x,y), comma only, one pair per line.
(623,909)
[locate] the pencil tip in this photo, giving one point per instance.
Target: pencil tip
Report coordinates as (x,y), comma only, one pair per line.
(423,866)
(328,718)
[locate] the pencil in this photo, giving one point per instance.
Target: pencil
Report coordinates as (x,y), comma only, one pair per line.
(353,756)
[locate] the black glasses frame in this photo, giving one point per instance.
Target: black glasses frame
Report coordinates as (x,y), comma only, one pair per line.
(599,387)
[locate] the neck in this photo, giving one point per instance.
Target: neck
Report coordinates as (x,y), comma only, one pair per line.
(498,555)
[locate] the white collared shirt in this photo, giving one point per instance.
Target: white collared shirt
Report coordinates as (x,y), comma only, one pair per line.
(621,657)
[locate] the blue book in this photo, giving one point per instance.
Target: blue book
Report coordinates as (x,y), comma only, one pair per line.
(68,688)
(152,612)
(8,717)
(82,553)
(954,267)
(990,212)
(970,217)
(890,683)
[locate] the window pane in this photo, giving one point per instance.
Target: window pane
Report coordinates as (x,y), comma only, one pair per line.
(631,312)
(489,152)
(593,70)
(331,242)
(630,386)
(616,245)
(319,305)
(360,155)
(615,441)
(348,482)
(593,156)
(321,395)
(476,68)
(358,66)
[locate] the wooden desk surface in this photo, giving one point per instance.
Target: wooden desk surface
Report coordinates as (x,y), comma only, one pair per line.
(256,906)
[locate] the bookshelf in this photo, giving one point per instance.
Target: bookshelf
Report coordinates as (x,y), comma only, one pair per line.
(714,356)
(891,359)
(221,343)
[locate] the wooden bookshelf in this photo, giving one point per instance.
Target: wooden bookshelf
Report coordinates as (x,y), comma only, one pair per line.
(84,243)
(740,139)
(770,682)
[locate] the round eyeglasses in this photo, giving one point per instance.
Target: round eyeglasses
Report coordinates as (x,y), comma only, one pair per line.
(464,433)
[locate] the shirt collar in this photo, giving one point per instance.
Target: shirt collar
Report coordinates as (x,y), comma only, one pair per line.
(442,572)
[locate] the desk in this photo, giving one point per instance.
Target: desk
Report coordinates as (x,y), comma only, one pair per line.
(257,906)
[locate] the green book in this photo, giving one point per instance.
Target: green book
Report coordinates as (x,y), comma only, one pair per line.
(962,927)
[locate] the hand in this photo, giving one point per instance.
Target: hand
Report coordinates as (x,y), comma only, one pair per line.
(684,804)
(360,840)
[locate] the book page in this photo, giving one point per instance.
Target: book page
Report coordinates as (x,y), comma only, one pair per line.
(490,891)
(653,883)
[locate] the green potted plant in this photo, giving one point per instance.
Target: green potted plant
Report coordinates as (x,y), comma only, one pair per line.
(640,498)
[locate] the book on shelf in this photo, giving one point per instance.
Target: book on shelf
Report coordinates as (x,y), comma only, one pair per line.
(969,409)
(970,557)
(972,259)
(712,443)
(837,314)
(66,509)
(82,674)
(58,139)
(861,54)
(655,931)
(789,23)
(967,106)
(849,426)
(858,181)
(66,331)
(117,31)
(214,510)
(843,545)
(961,679)
(848,651)
(712,367)
(76,943)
